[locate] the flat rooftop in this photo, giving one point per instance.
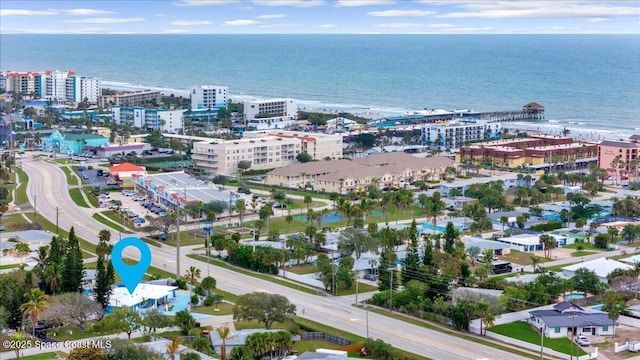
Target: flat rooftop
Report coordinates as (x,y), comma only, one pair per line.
(179,182)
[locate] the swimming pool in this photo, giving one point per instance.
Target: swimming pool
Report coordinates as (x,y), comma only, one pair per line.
(574,296)
(429,227)
(334,217)
(597,307)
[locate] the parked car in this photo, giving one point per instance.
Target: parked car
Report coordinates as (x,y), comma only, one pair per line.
(163,213)
(244,191)
(139,220)
(112,182)
(279,206)
(2,228)
(104,160)
(85,176)
(139,198)
(582,340)
(371,277)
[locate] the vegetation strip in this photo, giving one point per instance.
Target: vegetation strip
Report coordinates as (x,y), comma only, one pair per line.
(71,179)
(51,227)
(107,222)
(272,279)
(77,197)
(21,191)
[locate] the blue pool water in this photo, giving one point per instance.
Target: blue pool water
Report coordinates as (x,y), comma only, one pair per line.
(597,307)
(574,296)
(334,217)
(429,227)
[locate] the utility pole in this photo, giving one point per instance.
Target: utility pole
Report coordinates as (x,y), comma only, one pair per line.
(573,318)
(35,206)
(57,216)
(178,241)
(367,315)
(544,327)
(391,270)
(357,291)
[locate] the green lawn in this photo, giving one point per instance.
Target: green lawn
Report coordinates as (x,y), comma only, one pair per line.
(77,197)
(92,199)
(21,191)
(523,331)
(13,222)
(10,266)
(186,239)
(585,246)
(111,215)
(46,356)
(582,253)
(521,258)
(312,345)
(223,308)
(362,287)
(76,334)
(303,269)
(71,179)
(108,222)
(47,225)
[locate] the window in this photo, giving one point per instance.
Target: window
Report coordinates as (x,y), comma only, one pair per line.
(557,330)
(605,328)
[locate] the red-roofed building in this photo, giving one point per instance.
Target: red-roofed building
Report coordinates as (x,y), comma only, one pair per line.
(125,173)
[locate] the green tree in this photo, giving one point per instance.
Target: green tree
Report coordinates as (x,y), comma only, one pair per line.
(173,347)
(614,303)
(192,275)
(72,266)
(185,321)
(155,319)
(37,303)
(412,261)
(87,353)
(122,320)
(587,281)
(601,241)
(355,241)
(303,157)
(122,349)
(504,220)
(208,284)
(103,285)
(223,332)
(264,307)
(450,236)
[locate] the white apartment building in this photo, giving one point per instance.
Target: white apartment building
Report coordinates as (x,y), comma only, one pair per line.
(264,108)
(264,149)
(209,97)
(130,98)
(319,145)
(23,82)
(55,85)
(151,119)
(453,134)
(221,157)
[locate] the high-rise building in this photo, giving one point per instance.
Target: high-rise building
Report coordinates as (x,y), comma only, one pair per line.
(209,97)
(55,85)
(22,82)
(150,119)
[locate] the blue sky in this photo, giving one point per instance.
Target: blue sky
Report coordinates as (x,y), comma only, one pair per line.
(319,16)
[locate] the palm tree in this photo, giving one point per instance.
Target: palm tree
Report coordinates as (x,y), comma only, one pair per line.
(241,208)
(223,332)
(52,276)
(192,275)
(104,235)
(534,262)
(580,223)
(504,220)
(173,347)
(37,303)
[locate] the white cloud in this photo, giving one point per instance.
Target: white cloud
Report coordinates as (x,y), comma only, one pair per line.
(551,28)
(401,25)
(538,9)
(106,20)
(598,20)
(205,2)
(279,25)
(364,2)
(57,31)
(407,13)
(23,12)
(241,22)
(87,12)
(174,31)
(441,26)
(327,26)
(294,3)
(470,29)
(271,16)
(191,22)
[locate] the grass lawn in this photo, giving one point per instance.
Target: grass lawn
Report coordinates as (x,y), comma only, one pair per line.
(312,345)
(582,253)
(92,199)
(585,246)
(10,266)
(12,222)
(224,308)
(186,239)
(362,287)
(47,225)
(46,356)
(303,269)
(523,331)
(21,191)
(77,198)
(111,215)
(521,258)
(76,334)
(271,278)
(108,222)
(71,179)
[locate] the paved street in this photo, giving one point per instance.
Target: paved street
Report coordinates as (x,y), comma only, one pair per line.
(48,184)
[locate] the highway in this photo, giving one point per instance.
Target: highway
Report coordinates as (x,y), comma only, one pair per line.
(48,183)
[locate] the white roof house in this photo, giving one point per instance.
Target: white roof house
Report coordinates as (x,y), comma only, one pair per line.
(635,259)
(601,266)
(120,295)
(531,242)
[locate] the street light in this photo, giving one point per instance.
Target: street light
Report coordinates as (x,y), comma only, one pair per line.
(391,270)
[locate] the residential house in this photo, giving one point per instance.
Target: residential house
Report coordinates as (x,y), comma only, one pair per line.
(567,317)
(601,266)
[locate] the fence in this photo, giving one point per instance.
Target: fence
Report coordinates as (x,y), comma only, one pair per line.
(534,347)
(324,336)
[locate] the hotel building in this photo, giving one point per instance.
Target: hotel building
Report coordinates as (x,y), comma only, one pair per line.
(130,98)
(150,119)
(271,113)
(209,97)
(536,152)
(264,149)
(55,85)
(453,134)
(626,151)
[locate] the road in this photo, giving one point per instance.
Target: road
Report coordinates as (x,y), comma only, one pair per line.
(48,183)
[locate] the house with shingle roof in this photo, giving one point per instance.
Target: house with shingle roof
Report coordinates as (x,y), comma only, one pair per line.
(343,176)
(567,317)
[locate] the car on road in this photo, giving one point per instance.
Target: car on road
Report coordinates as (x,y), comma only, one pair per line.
(244,191)
(582,340)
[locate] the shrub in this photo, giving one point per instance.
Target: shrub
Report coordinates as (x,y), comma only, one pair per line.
(198,290)
(181,284)
(548,226)
(195,299)
(208,301)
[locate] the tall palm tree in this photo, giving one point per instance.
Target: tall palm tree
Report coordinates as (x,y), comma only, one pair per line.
(52,276)
(534,262)
(223,332)
(241,208)
(173,347)
(37,303)
(104,235)
(192,275)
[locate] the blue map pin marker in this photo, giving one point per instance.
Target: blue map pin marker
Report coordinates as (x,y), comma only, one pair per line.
(131,274)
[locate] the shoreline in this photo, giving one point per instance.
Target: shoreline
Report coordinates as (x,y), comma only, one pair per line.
(546,126)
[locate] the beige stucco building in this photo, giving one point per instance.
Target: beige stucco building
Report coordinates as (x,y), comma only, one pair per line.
(343,176)
(320,146)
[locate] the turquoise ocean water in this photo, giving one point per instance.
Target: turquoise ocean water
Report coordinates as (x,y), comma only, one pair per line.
(587,83)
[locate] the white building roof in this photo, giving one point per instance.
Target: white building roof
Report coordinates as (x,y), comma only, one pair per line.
(635,259)
(522,239)
(120,295)
(601,266)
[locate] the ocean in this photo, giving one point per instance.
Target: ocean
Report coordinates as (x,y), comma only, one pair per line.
(589,84)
